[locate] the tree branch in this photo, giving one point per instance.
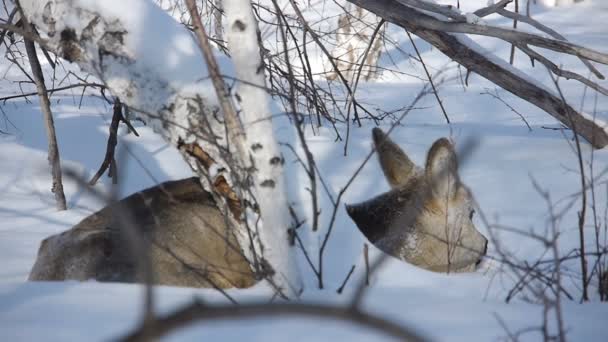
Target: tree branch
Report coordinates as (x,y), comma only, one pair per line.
(435,32)
(197,311)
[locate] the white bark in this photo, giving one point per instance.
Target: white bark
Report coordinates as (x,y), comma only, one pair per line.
(153,64)
(241,34)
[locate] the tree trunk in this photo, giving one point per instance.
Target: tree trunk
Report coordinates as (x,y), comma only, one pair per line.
(242,36)
(45,105)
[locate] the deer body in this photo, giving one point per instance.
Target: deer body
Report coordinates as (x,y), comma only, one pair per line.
(184,230)
(426,219)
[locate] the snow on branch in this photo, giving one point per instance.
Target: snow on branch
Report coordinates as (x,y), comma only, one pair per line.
(153,64)
(443,26)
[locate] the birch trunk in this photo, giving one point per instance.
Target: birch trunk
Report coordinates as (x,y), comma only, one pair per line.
(242,35)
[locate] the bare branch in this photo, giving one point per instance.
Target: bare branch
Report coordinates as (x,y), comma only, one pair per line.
(341,288)
(428,75)
(435,31)
(109,160)
(198,311)
(53,90)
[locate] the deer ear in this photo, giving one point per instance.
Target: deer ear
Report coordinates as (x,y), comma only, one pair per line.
(395,164)
(441,169)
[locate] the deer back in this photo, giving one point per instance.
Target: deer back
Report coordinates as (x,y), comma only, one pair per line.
(188,242)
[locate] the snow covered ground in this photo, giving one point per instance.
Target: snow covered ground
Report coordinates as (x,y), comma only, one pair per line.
(452,307)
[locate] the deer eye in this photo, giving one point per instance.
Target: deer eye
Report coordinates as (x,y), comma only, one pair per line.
(471,214)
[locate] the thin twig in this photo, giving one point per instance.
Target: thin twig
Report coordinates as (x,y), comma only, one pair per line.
(364,57)
(366,257)
(521,116)
(512,56)
(582,212)
(341,288)
(109,161)
(53,90)
(428,75)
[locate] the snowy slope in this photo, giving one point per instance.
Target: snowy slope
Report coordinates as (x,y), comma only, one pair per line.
(444,307)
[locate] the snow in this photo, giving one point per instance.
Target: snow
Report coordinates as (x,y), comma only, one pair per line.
(160,56)
(555,3)
(455,307)
(473,19)
(180,61)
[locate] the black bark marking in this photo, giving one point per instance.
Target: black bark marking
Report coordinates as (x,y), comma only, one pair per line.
(69,47)
(277,161)
(269,183)
(239,25)
(68,35)
(260,68)
(256,147)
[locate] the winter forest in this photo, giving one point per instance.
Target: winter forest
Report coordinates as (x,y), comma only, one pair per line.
(303,170)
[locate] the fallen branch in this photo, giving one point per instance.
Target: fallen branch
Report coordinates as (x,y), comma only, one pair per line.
(198,311)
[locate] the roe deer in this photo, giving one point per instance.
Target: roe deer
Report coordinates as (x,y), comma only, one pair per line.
(185,231)
(427,217)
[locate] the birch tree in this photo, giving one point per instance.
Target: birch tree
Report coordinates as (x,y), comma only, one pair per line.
(242,35)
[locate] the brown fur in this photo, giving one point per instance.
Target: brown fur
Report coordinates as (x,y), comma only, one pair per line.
(395,164)
(186,234)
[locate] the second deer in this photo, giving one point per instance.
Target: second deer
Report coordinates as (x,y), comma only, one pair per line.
(427,217)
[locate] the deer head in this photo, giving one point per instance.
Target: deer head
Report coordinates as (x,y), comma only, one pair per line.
(426,218)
